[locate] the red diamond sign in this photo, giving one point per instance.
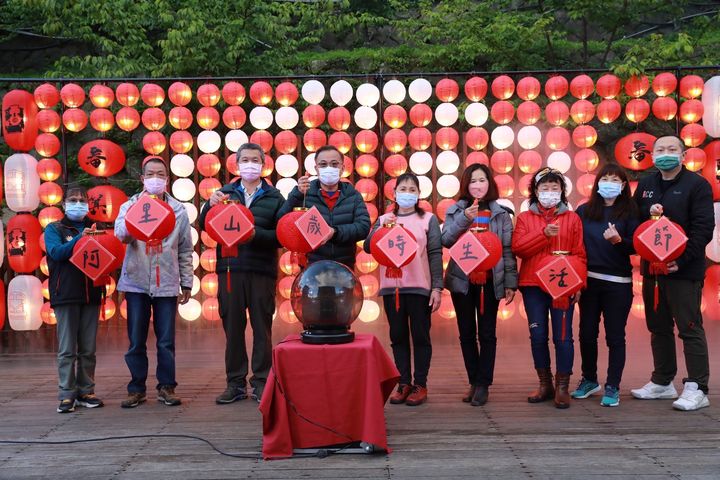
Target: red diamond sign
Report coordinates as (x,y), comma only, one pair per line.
(92,259)
(664,238)
(468,252)
(559,277)
(313,228)
(398,246)
(231,224)
(146,215)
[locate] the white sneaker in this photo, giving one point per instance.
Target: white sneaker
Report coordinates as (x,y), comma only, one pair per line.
(652,391)
(692,398)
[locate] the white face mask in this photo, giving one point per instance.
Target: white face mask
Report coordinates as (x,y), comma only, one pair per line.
(249,171)
(154,185)
(329,175)
(549,199)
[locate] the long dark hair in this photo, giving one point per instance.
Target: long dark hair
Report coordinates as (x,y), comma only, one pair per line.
(492,193)
(624,206)
(545,175)
(413,178)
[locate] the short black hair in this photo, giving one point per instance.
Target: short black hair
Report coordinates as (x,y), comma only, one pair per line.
(547,175)
(153,160)
(76,190)
(250,146)
(330,148)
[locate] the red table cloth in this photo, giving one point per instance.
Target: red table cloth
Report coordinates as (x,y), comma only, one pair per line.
(342,387)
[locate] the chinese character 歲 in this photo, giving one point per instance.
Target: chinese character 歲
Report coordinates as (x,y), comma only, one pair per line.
(313,227)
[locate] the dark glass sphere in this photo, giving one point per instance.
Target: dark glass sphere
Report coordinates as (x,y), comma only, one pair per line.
(327,295)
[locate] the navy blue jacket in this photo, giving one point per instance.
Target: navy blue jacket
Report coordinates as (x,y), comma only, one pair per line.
(602,256)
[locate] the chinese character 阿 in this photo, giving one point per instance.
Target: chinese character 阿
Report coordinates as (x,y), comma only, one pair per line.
(639,151)
(96,157)
(229,227)
(561,275)
(658,237)
(399,243)
(467,252)
(92,259)
(313,227)
(146,218)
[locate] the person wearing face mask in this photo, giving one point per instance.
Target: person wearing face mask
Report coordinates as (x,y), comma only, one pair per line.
(419,291)
(76,303)
(547,226)
(686,199)
(157,281)
(609,220)
(476,324)
(253,273)
(338,202)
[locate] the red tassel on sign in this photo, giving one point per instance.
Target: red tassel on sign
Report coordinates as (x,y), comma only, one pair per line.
(229,251)
(482,299)
(227,279)
(397,299)
(157,275)
(478,277)
(102,305)
(563,334)
(393,272)
(656,293)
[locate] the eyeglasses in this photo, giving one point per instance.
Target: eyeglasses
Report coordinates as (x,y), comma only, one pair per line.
(545,172)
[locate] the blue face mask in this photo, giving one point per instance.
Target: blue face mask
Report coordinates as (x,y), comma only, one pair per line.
(666,162)
(406,200)
(76,211)
(609,190)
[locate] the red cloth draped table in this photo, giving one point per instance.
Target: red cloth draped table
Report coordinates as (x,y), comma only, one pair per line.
(343,387)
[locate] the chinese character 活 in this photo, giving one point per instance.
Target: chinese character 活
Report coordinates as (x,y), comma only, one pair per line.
(561,275)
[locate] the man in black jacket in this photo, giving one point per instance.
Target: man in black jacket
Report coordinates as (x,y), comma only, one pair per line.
(686,199)
(338,202)
(252,273)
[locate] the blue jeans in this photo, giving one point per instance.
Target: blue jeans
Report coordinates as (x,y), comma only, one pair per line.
(537,306)
(138,323)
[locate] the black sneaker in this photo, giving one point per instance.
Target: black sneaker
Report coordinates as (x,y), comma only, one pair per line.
(66,406)
(257,394)
(231,394)
(167,396)
(133,400)
(89,400)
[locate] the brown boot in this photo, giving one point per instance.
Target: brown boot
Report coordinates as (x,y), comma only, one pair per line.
(468,396)
(545,391)
(562,394)
(400,394)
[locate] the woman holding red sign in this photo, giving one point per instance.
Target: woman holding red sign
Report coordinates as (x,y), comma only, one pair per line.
(419,290)
(548,228)
(476,305)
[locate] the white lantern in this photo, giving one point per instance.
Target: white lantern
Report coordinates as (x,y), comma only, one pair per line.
(234,139)
(209,141)
(285,185)
(2,243)
(287,118)
(182,165)
(21,183)
(183,189)
(711,106)
(712,250)
(192,211)
(286,165)
(476,114)
(525,205)
(196,285)
(194,235)
(426,186)
(369,312)
(24,301)
(559,161)
(529,137)
(367,94)
(310,164)
(502,137)
(568,188)
(420,90)
(195,260)
(448,186)
(365,117)
(261,118)
(190,311)
(505,202)
(447,162)
(394,91)
(313,92)
(446,114)
(420,163)
(341,92)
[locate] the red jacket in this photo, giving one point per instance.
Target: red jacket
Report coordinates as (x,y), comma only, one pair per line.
(531,245)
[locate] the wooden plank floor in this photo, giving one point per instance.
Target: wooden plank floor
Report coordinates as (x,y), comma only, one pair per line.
(508,438)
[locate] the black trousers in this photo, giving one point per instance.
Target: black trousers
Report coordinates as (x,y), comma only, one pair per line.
(413,318)
(255,294)
(478,341)
(613,301)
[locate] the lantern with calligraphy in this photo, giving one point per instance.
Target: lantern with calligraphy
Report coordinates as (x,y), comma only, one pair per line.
(19,120)
(150,220)
(24,301)
(23,243)
(21,182)
(97,254)
(302,231)
(634,151)
(562,276)
(101,158)
(230,224)
(104,203)
(393,246)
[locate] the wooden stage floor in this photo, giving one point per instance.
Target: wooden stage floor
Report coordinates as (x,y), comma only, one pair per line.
(507,438)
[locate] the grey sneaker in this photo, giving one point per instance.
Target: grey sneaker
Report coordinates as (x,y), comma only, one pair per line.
(133,400)
(167,396)
(257,394)
(231,394)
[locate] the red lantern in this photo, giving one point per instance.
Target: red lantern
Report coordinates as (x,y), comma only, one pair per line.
(442,207)
(19,120)
(556,87)
(48,215)
(475,89)
(557,138)
(231,164)
(208,186)
(50,193)
(368,189)
(233,117)
(395,165)
(23,243)
(637,109)
(693,134)
(421,115)
(154,142)
(695,159)
(152,233)
(127,119)
(586,160)
(581,86)
(476,138)
(691,111)
(286,94)
(381,250)
(664,108)
(153,95)
(477,157)
(447,90)
(529,161)
(608,111)
(179,94)
(101,96)
(208,118)
(524,185)
(366,141)
(557,113)
(211,309)
(233,93)
(420,138)
(180,118)
(608,86)
(584,136)
(447,138)
(286,142)
(104,203)
(502,161)
(395,140)
(528,88)
(634,151)
(48,121)
(637,86)
(261,93)
(585,184)
(711,171)
(49,169)
(101,158)
(366,165)
(102,119)
(664,84)
(97,255)
(691,86)
(72,95)
(208,164)
(582,111)
(372,212)
(502,87)
(262,138)
(46,95)
(313,139)
(341,141)
(74,119)
(339,118)
(576,270)
(395,116)
(180,142)
(47,144)
(313,116)
(153,119)
(127,94)
(389,189)
(505,184)
(208,95)
(290,237)
(528,113)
